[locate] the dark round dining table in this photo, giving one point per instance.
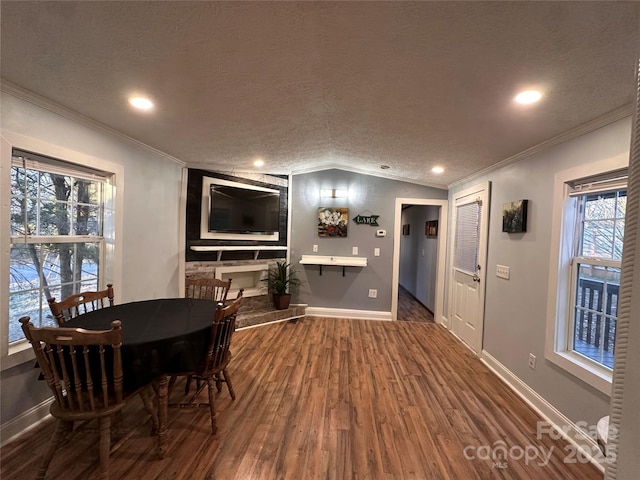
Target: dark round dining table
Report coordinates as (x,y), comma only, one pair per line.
(159,337)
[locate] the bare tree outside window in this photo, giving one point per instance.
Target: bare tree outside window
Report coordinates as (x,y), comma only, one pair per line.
(56,238)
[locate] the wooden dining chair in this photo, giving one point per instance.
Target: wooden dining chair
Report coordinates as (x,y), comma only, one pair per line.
(80,303)
(207,288)
(83,368)
(212,371)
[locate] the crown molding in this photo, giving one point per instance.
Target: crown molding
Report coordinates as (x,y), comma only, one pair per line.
(362,171)
(42,102)
(599,122)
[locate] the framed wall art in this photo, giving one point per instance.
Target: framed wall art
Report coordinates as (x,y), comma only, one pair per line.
(332,222)
(431,228)
(514,216)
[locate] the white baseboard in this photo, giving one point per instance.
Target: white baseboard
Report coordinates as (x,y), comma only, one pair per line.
(280,320)
(586,445)
(444,321)
(346,313)
(24,422)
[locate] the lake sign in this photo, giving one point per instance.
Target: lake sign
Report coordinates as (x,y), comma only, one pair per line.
(366,220)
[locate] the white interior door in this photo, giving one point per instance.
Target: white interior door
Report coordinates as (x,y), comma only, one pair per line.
(468,266)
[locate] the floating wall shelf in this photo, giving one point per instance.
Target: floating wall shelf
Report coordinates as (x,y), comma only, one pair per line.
(255,248)
(343,262)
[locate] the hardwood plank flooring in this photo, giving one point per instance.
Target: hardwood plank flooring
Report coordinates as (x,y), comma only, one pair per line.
(331,399)
(410,309)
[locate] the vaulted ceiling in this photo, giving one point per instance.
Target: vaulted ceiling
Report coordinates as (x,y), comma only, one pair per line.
(312,85)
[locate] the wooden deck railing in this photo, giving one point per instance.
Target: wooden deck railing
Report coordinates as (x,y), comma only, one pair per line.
(589,318)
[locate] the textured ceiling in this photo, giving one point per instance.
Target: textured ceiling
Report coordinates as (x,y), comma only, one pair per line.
(314,85)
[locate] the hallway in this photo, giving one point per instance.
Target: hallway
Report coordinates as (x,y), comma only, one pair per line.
(410,309)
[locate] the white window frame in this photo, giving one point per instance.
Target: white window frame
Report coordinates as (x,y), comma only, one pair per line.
(558,339)
(20,352)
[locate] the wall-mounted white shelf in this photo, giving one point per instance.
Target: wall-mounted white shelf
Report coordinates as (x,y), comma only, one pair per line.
(343,262)
(255,248)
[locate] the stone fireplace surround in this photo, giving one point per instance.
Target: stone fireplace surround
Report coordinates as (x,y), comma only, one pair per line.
(256,307)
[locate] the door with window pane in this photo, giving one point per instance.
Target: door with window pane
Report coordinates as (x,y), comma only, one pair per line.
(468,265)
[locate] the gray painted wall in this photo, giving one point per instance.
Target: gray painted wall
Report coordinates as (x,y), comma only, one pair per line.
(150,227)
(368,195)
(516,310)
(418,255)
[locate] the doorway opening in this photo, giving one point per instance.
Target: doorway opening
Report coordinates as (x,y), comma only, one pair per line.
(419,254)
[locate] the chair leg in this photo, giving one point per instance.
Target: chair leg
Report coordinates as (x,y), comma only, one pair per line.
(211,383)
(147,401)
(172,382)
(227,380)
(161,385)
(62,427)
(187,385)
(105,446)
(117,423)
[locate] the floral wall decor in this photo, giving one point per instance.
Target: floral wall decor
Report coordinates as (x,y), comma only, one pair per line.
(332,222)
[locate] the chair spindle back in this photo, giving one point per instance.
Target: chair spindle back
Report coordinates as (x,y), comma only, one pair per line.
(224,324)
(83,368)
(80,303)
(207,289)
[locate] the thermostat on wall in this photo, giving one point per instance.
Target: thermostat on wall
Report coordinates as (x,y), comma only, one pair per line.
(381,233)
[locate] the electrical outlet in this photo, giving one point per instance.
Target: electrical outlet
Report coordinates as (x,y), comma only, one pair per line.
(315,249)
(354,250)
(502,271)
(376,252)
(532,361)
(373,293)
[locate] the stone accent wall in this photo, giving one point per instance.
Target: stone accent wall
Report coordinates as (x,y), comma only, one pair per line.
(254,310)
(206,269)
(259,309)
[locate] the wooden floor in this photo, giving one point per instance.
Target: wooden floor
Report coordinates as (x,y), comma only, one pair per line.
(331,399)
(410,309)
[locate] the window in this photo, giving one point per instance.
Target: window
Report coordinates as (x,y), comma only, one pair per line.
(57,243)
(595,274)
(584,278)
(467,239)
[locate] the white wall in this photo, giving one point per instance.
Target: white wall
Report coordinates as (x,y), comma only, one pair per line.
(516,310)
(151,243)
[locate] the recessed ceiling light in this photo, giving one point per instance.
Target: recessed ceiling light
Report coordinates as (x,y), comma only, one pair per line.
(141,103)
(258,162)
(437,169)
(528,96)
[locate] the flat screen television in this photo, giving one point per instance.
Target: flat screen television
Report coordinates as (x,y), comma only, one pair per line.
(243,210)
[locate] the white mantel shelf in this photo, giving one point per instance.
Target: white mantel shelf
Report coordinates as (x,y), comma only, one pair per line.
(333,260)
(255,248)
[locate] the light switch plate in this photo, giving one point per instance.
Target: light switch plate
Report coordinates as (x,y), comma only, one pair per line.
(354,250)
(502,271)
(376,252)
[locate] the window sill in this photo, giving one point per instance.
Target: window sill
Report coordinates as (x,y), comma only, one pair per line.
(598,378)
(18,355)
